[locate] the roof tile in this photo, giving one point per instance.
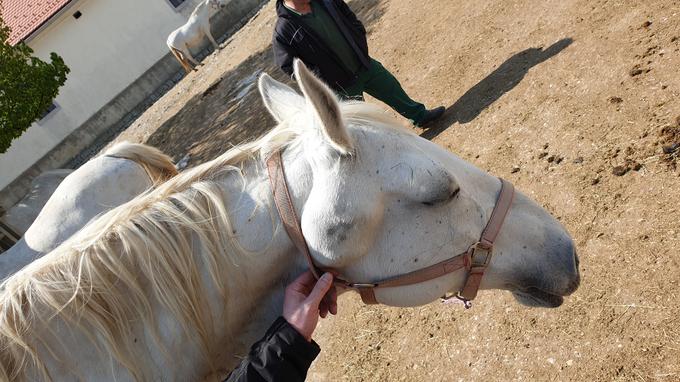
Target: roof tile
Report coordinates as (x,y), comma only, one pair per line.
(24,17)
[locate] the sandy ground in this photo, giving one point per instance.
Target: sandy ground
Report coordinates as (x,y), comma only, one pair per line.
(574,102)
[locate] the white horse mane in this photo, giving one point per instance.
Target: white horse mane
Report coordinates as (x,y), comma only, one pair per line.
(157,164)
(85,193)
(109,274)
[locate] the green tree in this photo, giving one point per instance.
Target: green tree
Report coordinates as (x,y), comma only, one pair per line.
(27,86)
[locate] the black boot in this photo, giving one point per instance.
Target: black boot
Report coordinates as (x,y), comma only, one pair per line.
(431,116)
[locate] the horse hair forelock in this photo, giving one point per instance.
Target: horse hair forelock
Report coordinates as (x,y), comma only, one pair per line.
(111,272)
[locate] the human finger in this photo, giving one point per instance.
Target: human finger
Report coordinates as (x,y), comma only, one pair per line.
(323,310)
(331,300)
(322,286)
(303,283)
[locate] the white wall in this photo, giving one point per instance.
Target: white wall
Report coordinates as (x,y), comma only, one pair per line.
(107,48)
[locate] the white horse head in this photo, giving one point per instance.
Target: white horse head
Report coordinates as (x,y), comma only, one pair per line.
(198,265)
(384,202)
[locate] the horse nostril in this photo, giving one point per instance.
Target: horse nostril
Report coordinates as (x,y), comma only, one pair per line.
(576,280)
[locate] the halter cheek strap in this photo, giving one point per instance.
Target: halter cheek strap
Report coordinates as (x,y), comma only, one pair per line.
(284,205)
(476,259)
(480,253)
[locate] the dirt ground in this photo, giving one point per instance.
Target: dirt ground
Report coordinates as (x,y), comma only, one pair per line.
(575,102)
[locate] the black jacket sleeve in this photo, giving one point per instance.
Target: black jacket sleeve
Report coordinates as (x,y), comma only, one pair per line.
(282,355)
(350,16)
(283,54)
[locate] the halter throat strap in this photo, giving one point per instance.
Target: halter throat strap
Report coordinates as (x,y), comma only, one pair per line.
(476,259)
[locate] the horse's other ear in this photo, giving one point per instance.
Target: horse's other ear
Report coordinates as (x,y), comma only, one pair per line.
(280,99)
(326,108)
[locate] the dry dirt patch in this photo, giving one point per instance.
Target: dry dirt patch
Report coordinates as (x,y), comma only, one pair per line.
(575,102)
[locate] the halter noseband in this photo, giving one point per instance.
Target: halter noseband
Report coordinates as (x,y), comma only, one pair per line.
(475,259)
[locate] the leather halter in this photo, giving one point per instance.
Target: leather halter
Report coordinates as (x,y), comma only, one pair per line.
(475,259)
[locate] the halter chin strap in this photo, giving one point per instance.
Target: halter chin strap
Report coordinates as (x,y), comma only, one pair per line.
(476,259)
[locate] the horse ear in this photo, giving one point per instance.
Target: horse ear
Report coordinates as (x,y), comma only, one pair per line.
(326,108)
(281,101)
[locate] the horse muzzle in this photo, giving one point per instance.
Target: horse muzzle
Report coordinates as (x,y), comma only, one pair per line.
(550,293)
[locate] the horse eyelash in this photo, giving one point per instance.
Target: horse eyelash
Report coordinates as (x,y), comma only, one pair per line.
(453,195)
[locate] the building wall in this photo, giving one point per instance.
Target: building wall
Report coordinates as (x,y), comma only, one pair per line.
(111,45)
(60,141)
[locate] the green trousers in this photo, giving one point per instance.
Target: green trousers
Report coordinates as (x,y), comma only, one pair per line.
(381,84)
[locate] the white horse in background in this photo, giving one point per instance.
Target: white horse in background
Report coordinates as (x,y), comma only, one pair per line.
(192,32)
(20,216)
(121,173)
(181,280)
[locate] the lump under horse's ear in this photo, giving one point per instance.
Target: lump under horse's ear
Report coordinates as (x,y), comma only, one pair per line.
(326,108)
(281,101)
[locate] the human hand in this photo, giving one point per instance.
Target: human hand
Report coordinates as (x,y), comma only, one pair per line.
(304,302)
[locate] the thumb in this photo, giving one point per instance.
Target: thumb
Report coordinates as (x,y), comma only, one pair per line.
(322,286)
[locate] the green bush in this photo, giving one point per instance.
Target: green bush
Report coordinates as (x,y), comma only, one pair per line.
(27,87)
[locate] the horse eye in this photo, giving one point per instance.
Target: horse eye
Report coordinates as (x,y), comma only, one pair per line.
(443,200)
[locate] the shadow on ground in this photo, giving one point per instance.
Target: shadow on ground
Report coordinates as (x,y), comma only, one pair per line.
(491,88)
(229,112)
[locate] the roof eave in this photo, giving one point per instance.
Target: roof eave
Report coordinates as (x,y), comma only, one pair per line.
(33,34)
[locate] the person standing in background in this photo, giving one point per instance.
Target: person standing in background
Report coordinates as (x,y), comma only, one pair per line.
(327,36)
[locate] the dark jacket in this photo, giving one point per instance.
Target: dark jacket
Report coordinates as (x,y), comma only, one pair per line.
(292,39)
(282,354)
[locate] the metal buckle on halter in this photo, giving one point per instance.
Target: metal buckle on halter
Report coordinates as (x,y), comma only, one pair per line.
(476,251)
(360,285)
